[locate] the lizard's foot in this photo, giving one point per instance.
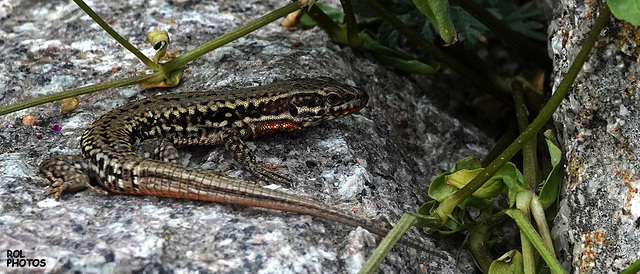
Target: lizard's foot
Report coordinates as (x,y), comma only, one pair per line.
(67,174)
(268,172)
(241,153)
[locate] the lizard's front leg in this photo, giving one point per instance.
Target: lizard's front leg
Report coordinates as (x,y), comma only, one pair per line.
(242,154)
(68,174)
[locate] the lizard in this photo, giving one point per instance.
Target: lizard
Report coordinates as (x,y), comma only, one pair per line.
(108,163)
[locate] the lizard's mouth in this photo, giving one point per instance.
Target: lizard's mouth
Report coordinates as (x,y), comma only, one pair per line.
(359,102)
(347,111)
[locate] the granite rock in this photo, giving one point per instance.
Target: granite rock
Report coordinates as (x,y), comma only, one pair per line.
(376,163)
(598,224)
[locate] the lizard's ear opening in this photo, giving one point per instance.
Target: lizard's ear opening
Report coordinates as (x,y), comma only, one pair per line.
(293,110)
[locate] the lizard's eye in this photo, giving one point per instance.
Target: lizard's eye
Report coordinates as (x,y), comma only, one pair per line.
(333,99)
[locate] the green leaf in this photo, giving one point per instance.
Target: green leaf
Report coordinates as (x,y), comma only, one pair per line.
(472,31)
(395,58)
(551,188)
(522,20)
(462,177)
(386,55)
(409,66)
(425,219)
(335,14)
(467,163)
(510,262)
(626,10)
(468,168)
(439,14)
(439,189)
(159,39)
(512,178)
(170,80)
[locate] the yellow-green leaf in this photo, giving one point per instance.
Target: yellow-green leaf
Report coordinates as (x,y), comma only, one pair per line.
(159,39)
(171,80)
(467,163)
(439,13)
(551,188)
(626,10)
(461,178)
(510,262)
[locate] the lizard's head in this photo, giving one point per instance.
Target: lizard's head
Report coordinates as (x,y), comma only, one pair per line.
(321,99)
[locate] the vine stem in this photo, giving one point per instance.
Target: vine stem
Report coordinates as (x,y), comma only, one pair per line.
(487,81)
(116,36)
(162,70)
(80,91)
(448,205)
(230,36)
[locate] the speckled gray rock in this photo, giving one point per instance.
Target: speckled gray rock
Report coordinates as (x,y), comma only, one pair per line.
(598,226)
(376,163)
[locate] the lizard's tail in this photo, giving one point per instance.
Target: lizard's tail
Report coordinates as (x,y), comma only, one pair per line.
(202,185)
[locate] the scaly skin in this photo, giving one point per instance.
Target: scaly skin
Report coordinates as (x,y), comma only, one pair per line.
(207,118)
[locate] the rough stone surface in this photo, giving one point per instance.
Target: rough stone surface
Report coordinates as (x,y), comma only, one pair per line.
(376,163)
(598,226)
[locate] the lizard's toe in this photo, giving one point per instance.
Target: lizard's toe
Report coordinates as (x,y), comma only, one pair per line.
(268,173)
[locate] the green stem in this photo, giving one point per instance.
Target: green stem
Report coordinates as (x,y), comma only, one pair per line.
(167,67)
(505,140)
(230,36)
(527,229)
(406,222)
(352,26)
(541,221)
(492,86)
(80,91)
(632,268)
(523,202)
(529,159)
(117,36)
(477,239)
(448,205)
(332,29)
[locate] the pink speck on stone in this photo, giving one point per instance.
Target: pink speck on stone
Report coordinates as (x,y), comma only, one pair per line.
(56,128)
